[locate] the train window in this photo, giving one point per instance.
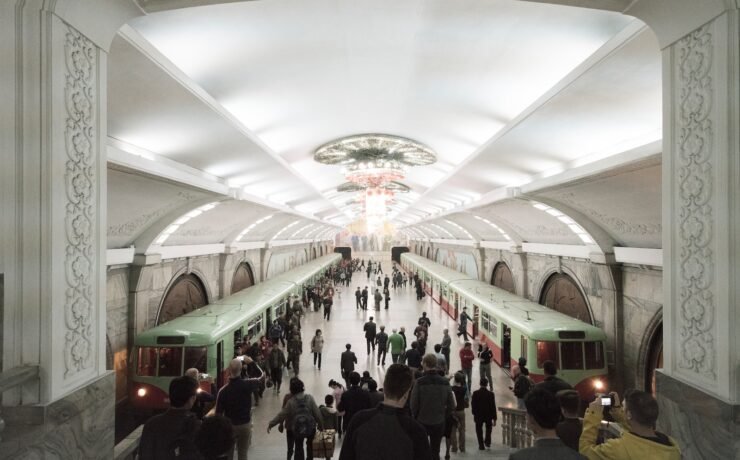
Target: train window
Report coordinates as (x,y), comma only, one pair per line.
(594,355)
(571,334)
(238,335)
(571,353)
(547,351)
(170,362)
(485,322)
(196,357)
(146,364)
(255,327)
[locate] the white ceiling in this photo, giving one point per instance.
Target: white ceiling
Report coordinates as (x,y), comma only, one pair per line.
(283,77)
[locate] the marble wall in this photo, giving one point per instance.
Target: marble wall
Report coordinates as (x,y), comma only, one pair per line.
(117,325)
(77,426)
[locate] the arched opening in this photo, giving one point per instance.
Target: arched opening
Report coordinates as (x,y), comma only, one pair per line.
(502,277)
(313,253)
(321,250)
(185,294)
(243,278)
(654,358)
(561,293)
(429,253)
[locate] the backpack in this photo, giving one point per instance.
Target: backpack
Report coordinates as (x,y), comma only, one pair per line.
(183,446)
(304,425)
(522,386)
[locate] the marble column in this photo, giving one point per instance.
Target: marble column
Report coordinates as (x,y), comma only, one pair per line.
(52,256)
(699,387)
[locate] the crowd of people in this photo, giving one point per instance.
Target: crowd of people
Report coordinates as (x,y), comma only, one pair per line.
(421,402)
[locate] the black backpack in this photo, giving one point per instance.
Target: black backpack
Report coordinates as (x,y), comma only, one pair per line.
(304,425)
(183,446)
(522,386)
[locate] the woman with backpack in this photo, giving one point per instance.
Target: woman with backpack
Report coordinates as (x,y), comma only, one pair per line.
(301,417)
(317,345)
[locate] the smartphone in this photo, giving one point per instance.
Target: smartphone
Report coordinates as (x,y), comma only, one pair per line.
(606,401)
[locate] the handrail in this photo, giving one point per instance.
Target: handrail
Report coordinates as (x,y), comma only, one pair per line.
(15,377)
(514,428)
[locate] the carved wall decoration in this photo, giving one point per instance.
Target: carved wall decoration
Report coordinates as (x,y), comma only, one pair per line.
(615,223)
(80,183)
(693,143)
(130,227)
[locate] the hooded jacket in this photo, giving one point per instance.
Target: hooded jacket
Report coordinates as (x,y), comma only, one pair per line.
(627,447)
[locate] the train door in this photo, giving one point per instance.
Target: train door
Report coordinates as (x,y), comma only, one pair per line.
(220,364)
(476,320)
(505,346)
(523,346)
(268,318)
(456,306)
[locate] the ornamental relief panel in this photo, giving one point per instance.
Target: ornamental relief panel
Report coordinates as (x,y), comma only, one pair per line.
(695,217)
(80,212)
(616,224)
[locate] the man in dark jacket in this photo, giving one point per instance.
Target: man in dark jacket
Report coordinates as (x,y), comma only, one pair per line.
(235,402)
(370,331)
(570,427)
(552,383)
(176,428)
(353,400)
(413,357)
(358,298)
(382,341)
(364,298)
(347,363)
(483,406)
(432,402)
(387,432)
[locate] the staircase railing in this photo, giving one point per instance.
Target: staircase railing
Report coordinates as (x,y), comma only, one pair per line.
(514,428)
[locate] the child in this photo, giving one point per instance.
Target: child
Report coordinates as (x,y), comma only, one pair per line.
(328,413)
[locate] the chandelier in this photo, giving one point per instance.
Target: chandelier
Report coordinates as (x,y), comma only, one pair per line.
(373,164)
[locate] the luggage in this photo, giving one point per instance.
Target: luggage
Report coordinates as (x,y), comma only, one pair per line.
(323,444)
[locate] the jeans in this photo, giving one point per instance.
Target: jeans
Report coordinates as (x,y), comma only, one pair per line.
(468,378)
(315,357)
(435,433)
(446,354)
(243,436)
(485,371)
(277,377)
(381,354)
(479,432)
(295,445)
(458,432)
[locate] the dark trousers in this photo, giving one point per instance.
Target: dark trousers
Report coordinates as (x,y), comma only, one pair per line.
(364,304)
(463,331)
(381,355)
(435,433)
(370,342)
(327,313)
(479,432)
(277,377)
(359,302)
(315,357)
(394,357)
(386,304)
(446,354)
(295,445)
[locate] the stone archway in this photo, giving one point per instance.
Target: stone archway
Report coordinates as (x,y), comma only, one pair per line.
(243,278)
(561,293)
(429,253)
(502,277)
(654,358)
(186,293)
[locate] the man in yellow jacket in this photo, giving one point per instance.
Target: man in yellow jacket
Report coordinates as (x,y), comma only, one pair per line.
(637,415)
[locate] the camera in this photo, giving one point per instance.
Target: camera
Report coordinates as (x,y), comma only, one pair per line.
(606,400)
(203,376)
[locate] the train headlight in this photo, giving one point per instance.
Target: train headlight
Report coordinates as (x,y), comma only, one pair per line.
(598,385)
(141,392)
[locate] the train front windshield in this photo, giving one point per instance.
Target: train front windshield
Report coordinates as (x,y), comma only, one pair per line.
(168,361)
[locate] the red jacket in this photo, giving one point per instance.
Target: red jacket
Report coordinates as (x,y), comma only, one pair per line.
(466,358)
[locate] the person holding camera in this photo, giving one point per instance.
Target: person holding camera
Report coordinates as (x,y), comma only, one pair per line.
(203,398)
(637,414)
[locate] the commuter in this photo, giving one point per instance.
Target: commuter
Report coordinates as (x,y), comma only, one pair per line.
(386,296)
(347,364)
(466,363)
(485,357)
(172,433)
(337,391)
(461,403)
(419,291)
(364,298)
(552,383)
(295,350)
(413,357)
(370,332)
(570,427)
(386,282)
(380,268)
(517,368)
(432,401)
(302,418)
(421,332)
(204,397)
(235,402)
(358,298)
(463,328)
(378,297)
(402,333)
(396,345)
(522,386)
(353,400)
(405,280)
(376,397)
(483,406)
(446,343)
(276,332)
(317,345)
(441,360)
(382,341)
(387,432)
(215,438)
(365,380)
(543,414)
(638,415)
(424,321)
(329,415)
(276,362)
(327,302)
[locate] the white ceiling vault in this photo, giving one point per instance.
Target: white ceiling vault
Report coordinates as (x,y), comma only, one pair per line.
(511,96)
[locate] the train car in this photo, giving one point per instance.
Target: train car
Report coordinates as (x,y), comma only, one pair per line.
(205,338)
(516,327)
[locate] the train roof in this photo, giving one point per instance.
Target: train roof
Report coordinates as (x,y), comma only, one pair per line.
(531,318)
(200,327)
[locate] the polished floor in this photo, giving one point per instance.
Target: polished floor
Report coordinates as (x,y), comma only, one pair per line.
(345,327)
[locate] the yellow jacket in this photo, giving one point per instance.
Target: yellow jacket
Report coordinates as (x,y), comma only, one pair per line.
(628,447)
